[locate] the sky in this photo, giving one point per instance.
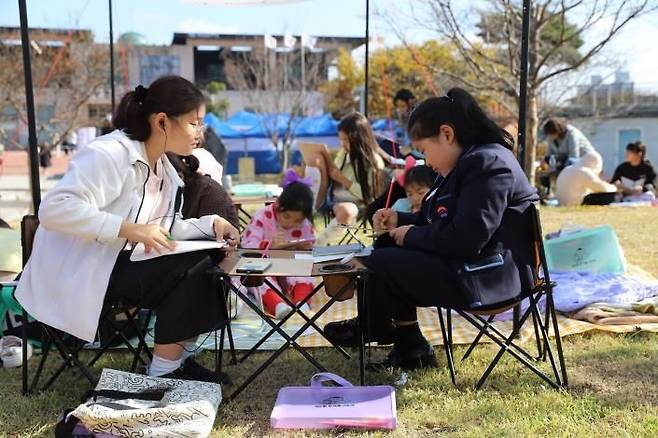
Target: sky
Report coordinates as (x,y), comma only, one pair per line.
(635,49)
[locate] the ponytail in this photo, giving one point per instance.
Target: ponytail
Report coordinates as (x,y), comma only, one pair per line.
(172,95)
(461,111)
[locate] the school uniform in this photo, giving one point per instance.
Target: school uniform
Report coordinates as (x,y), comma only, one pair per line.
(471,213)
(78,258)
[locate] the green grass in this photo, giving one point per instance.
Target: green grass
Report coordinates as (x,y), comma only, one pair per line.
(613,378)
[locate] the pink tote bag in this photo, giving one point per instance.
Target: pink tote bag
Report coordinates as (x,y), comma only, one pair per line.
(326,407)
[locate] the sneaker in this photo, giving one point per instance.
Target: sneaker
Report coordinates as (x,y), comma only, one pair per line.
(344,333)
(11,351)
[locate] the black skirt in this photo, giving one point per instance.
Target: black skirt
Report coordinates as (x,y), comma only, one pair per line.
(184,297)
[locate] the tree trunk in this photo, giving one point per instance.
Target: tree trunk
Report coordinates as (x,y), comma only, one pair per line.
(532,124)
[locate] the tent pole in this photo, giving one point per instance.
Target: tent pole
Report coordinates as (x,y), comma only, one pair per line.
(29,104)
(112,59)
(366,87)
(523,85)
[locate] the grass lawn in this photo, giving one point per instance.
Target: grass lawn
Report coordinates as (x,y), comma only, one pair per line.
(613,378)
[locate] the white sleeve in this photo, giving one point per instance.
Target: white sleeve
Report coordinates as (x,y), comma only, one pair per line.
(74,205)
(194,228)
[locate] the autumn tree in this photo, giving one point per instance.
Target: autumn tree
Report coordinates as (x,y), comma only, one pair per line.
(487,42)
(274,90)
(66,77)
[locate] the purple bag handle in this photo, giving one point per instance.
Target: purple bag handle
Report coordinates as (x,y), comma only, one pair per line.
(317,379)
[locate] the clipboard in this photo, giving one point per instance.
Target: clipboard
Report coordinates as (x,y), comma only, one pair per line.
(310,151)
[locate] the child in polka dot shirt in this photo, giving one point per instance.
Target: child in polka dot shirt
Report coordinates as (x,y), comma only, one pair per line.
(285,224)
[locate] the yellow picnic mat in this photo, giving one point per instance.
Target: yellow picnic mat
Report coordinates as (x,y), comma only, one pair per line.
(248,328)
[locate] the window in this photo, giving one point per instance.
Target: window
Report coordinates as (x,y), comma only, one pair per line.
(625,136)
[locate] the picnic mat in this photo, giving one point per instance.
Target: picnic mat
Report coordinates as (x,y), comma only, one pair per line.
(248,328)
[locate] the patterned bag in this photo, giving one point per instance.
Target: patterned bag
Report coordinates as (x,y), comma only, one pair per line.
(160,407)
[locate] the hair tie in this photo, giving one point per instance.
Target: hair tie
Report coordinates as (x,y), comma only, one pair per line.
(140,93)
(450,99)
(291,176)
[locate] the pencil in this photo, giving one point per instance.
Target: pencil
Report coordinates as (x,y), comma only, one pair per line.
(390,192)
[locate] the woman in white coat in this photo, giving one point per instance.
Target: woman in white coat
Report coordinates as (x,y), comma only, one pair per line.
(119,191)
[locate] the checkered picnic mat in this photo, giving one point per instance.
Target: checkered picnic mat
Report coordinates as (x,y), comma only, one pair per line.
(248,328)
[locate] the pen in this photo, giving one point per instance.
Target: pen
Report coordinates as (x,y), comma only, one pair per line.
(347,258)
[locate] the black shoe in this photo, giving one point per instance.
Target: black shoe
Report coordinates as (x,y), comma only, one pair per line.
(408,358)
(196,371)
(192,370)
(344,333)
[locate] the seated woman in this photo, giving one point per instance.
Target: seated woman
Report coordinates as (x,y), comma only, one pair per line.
(474,211)
(355,174)
(566,145)
(636,177)
(581,180)
(120,191)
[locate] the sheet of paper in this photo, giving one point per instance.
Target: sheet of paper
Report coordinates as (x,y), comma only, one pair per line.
(319,259)
(182,246)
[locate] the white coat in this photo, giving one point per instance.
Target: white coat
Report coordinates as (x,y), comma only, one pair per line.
(76,245)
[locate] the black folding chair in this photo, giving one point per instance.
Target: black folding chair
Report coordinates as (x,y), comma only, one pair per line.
(69,347)
(482,318)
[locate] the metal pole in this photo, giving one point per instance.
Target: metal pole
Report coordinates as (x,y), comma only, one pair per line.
(112,58)
(365,93)
(303,82)
(523,85)
(29,104)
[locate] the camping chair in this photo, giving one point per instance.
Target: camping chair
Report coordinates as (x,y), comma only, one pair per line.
(69,347)
(352,232)
(476,316)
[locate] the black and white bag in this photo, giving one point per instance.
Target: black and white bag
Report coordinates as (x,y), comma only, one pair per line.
(127,405)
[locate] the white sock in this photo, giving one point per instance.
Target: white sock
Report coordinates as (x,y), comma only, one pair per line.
(189,349)
(160,366)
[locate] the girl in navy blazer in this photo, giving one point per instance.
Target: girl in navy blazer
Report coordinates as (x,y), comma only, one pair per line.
(473,217)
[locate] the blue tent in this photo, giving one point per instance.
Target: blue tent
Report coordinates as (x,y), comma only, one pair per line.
(384,125)
(320,126)
(243,121)
(221,128)
(268,123)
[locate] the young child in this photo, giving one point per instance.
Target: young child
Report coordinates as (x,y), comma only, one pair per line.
(417,182)
(285,224)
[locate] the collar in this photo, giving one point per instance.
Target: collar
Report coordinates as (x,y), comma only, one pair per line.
(137,153)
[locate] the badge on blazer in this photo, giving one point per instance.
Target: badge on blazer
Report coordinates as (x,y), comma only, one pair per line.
(442,211)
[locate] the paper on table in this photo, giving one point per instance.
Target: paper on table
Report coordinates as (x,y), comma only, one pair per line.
(182,246)
(319,259)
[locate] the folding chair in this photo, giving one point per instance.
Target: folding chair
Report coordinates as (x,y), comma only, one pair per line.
(69,347)
(476,316)
(351,231)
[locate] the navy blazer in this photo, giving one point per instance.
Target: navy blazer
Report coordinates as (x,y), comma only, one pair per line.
(476,210)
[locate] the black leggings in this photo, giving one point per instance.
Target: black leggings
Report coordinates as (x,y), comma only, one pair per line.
(184,297)
(402,280)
